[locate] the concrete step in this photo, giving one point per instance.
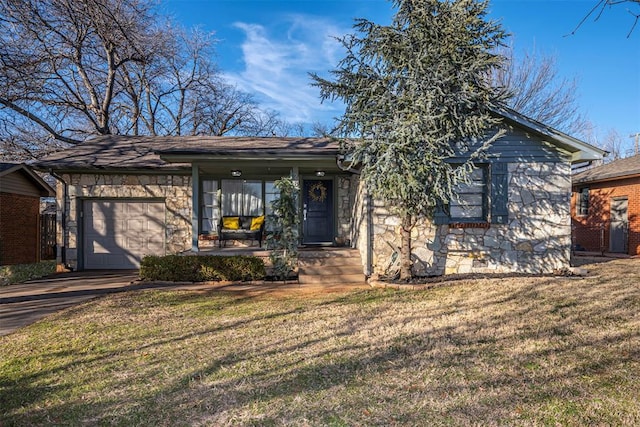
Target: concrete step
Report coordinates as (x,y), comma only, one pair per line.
(321,270)
(330,265)
(329,262)
(331,278)
(328,253)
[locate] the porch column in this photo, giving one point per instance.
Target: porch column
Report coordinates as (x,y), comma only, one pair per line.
(295,175)
(195,207)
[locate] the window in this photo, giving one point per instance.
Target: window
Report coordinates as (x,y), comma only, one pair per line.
(471,201)
(210,206)
(270,194)
(583,202)
(241,197)
(234,197)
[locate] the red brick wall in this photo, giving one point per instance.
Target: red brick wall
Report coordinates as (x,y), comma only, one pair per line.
(19,229)
(587,229)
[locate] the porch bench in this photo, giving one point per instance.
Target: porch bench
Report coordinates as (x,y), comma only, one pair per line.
(240,228)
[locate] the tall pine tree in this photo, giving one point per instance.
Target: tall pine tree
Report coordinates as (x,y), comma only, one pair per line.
(416,93)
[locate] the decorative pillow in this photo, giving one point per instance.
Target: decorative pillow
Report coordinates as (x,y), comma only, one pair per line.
(231,222)
(256,223)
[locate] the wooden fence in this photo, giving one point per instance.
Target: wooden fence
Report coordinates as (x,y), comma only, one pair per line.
(48,236)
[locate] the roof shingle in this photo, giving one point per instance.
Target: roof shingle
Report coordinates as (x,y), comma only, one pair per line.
(629,166)
(144,152)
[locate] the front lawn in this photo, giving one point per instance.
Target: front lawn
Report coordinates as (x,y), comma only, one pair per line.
(521,351)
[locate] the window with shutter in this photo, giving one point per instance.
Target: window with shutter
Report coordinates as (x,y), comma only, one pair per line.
(470,202)
(499,193)
(583,202)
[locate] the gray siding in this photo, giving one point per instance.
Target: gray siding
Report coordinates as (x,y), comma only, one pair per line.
(520,146)
(18,183)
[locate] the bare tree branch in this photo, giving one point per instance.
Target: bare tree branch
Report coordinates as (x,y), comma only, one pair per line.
(39,121)
(599,9)
(534,88)
(95,67)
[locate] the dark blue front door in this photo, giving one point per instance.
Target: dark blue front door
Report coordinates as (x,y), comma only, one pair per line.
(317,205)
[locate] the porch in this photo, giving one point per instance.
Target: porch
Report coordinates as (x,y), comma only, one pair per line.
(317,266)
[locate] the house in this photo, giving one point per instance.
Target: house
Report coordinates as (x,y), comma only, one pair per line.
(605,207)
(20,193)
(123,197)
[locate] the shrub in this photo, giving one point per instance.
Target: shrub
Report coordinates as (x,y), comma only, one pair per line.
(23,272)
(283,239)
(179,268)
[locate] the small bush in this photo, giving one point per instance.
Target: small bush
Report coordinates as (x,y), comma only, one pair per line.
(23,272)
(178,268)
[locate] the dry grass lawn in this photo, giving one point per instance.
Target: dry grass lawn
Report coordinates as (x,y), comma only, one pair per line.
(511,351)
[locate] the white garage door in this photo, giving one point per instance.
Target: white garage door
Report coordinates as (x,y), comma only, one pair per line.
(117,234)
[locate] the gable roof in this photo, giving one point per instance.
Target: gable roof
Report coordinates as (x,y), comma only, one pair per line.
(40,184)
(176,152)
(580,150)
(618,169)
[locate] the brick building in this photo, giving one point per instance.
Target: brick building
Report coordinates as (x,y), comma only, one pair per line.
(605,207)
(20,192)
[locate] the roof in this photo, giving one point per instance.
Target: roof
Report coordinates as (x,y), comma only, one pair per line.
(251,147)
(162,153)
(109,153)
(618,169)
(9,168)
(176,152)
(580,150)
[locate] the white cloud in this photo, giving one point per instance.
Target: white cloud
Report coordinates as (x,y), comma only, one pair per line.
(277,60)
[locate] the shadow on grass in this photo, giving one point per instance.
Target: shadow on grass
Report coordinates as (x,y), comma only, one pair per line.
(534,353)
(459,370)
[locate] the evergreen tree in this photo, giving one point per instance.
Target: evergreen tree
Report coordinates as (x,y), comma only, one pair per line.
(416,93)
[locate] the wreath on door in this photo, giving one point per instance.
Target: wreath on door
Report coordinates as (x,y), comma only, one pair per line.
(318,192)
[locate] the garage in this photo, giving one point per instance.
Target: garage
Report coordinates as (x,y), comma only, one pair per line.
(118,233)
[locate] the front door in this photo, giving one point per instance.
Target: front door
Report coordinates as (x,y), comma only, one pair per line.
(317,211)
(619,225)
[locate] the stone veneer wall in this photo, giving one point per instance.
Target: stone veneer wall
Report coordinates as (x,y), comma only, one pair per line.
(345,199)
(359,228)
(174,189)
(537,238)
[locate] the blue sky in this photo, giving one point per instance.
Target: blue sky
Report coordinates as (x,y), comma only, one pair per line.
(267,48)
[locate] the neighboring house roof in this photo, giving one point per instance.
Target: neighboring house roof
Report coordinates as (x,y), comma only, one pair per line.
(622,168)
(156,152)
(7,169)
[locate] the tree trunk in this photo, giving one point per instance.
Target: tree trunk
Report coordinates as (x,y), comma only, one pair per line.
(405,249)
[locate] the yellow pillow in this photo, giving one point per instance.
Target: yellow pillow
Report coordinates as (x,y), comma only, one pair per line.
(231,222)
(256,223)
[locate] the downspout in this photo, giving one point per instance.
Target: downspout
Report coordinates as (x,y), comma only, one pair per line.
(195,208)
(340,162)
(63,221)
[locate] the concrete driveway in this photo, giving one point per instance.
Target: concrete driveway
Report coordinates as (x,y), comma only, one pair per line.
(28,302)
(25,303)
